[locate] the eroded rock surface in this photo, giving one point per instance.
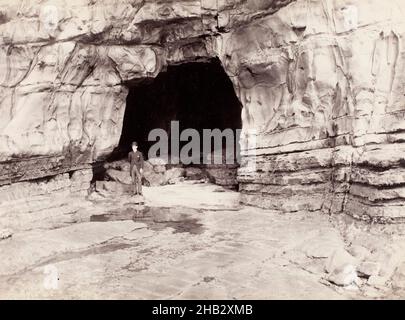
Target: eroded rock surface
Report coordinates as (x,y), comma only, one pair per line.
(321,83)
(321,86)
(183,243)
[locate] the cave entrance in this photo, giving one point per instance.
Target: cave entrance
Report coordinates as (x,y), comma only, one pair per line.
(199,95)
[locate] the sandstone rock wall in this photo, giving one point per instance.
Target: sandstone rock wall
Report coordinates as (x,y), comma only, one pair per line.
(65,64)
(321,83)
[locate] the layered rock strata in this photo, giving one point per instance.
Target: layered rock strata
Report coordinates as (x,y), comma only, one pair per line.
(322,85)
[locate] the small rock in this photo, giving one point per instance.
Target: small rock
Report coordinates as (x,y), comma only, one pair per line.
(137,199)
(389,259)
(359,252)
(204,180)
(155,179)
(147,166)
(372,293)
(122,165)
(339,259)
(208,279)
(94,196)
(113,186)
(157,161)
(398,280)
(345,275)
(175,180)
(5,234)
(119,176)
(369,268)
(159,168)
(174,173)
(125,166)
(377,281)
(319,250)
(194,173)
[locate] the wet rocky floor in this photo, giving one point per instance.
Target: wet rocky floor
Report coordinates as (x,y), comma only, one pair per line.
(192,241)
(180,219)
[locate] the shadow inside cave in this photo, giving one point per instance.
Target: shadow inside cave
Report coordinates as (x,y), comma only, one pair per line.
(199,95)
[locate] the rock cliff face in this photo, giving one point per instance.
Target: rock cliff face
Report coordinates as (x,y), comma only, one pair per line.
(321,83)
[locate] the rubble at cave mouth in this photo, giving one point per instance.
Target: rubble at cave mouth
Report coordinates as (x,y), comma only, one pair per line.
(199,95)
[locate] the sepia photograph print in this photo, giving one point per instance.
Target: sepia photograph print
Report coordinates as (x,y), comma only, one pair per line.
(204,150)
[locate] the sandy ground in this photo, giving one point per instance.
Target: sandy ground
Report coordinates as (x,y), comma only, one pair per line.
(189,241)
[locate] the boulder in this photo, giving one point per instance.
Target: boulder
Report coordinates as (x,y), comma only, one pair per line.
(339,259)
(398,279)
(344,275)
(369,268)
(157,161)
(389,258)
(159,168)
(359,252)
(378,281)
(137,199)
(119,176)
(152,177)
(193,173)
(113,187)
(155,179)
(121,165)
(80,180)
(222,175)
(174,175)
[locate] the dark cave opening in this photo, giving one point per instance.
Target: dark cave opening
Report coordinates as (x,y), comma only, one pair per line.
(198,95)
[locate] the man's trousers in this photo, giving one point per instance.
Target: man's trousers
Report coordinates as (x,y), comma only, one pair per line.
(136,180)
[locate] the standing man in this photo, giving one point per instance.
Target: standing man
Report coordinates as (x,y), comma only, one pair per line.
(135,159)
